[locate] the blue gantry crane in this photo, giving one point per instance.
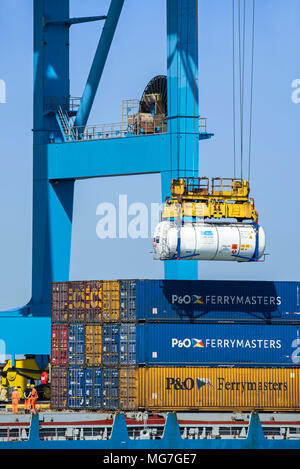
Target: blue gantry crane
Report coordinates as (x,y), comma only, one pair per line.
(65,148)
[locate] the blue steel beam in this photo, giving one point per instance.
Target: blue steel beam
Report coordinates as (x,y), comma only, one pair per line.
(99,62)
(182,83)
(70,21)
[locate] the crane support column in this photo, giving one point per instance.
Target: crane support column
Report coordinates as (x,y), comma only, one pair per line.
(183,118)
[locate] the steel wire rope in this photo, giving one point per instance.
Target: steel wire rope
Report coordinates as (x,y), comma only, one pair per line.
(179,28)
(195,77)
(233,90)
(241,76)
(186,98)
(251,91)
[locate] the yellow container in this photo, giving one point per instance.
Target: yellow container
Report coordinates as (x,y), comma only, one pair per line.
(229,389)
(93,345)
(128,389)
(111,300)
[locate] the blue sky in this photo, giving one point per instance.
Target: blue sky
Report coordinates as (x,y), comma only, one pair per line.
(138,53)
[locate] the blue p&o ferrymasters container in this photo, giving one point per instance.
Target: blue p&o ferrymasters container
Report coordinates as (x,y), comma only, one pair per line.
(196,344)
(205,300)
(214,344)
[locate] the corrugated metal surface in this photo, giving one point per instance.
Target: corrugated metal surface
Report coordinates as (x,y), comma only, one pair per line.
(93,345)
(128,300)
(76,388)
(111,300)
(76,345)
(59,345)
(110,389)
(93,388)
(215,344)
(207,388)
(175,300)
(201,300)
(110,345)
(128,388)
(127,349)
(59,388)
(176,344)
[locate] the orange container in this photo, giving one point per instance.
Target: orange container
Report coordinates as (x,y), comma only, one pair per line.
(225,389)
(93,345)
(128,388)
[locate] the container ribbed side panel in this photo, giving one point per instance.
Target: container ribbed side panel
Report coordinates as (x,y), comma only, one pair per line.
(59,345)
(59,388)
(128,389)
(226,389)
(93,345)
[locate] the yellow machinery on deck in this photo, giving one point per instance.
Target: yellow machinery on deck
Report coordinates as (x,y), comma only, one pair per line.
(18,375)
(223,198)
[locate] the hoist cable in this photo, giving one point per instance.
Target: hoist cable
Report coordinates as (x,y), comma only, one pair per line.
(186,100)
(251,90)
(233,90)
(241,77)
(195,78)
(179,29)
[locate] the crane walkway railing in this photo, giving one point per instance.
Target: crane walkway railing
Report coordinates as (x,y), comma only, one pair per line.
(115,130)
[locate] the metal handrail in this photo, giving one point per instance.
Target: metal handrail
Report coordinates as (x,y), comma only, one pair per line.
(116,130)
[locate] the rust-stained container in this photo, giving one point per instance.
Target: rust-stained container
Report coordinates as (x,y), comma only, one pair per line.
(225,389)
(86,301)
(59,296)
(59,345)
(59,388)
(77,295)
(111,300)
(85,295)
(128,388)
(93,345)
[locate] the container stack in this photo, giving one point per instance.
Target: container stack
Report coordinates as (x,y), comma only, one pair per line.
(175,345)
(93,345)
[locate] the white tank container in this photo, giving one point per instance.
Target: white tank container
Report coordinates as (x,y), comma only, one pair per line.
(207,241)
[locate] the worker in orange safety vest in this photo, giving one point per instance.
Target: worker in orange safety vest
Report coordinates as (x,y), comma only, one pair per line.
(27,397)
(33,398)
(15,398)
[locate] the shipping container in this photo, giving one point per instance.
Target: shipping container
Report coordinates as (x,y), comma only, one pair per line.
(128,297)
(110,345)
(175,300)
(217,388)
(128,388)
(59,345)
(76,388)
(152,344)
(78,295)
(93,345)
(205,300)
(158,389)
(110,389)
(93,388)
(59,388)
(127,349)
(76,344)
(111,300)
(216,344)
